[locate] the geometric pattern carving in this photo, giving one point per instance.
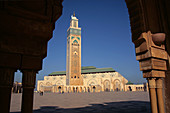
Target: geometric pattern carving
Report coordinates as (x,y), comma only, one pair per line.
(75,60)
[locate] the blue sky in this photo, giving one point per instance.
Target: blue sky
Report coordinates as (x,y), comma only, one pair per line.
(106,39)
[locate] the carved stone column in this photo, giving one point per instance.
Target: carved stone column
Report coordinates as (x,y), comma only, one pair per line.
(153,96)
(28,83)
(6,83)
(152,57)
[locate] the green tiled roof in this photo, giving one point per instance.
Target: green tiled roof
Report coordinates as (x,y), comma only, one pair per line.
(85,70)
(97,70)
(58,73)
(88,67)
(129,83)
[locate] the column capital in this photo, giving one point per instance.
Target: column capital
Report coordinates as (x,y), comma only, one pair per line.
(152,83)
(151,54)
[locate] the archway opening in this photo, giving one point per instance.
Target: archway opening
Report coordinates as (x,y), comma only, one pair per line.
(130,89)
(59,89)
(77,90)
(94,88)
(74,90)
(107,85)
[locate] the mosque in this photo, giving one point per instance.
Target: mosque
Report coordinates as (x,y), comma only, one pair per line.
(81,79)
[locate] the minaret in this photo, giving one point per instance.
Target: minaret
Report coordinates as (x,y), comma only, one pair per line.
(73,66)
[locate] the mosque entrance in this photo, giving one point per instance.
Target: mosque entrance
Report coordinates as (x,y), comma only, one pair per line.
(106,85)
(59,89)
(117,85)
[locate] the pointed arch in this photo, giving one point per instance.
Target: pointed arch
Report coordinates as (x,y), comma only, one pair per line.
(106,84)
(117,85)
(92,82)
(59,82)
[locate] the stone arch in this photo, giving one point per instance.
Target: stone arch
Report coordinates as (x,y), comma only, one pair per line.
(60,89)
(94,89)
(106,85)
(77,89)
(117,85)
(47,87)
(48,84)
(59,82)
(143,19)
(41,84)
(74,89)
(93,81)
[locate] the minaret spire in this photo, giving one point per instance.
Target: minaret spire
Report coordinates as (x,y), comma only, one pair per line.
(74,14)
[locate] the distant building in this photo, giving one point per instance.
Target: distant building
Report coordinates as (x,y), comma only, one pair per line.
(136,87)
(94,80)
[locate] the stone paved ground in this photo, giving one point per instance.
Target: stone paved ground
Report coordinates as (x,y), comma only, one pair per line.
(103,102)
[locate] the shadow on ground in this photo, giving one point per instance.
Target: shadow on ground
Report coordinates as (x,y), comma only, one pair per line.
(112,107)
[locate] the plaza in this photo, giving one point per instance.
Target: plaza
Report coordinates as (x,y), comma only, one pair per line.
(100,102)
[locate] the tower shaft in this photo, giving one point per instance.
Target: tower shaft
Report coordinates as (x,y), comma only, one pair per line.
(73,66)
